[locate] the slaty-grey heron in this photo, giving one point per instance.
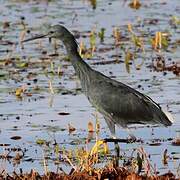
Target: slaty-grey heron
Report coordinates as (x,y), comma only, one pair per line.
(118,103)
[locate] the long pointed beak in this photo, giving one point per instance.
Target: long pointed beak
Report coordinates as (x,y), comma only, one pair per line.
(35,37)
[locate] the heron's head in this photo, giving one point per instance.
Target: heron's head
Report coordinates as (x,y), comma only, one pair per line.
(59,32)
(56,31)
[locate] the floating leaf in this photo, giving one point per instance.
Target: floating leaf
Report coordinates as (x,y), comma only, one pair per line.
(138,41)
(63,113)
(90,127)
(6,25)
(130,28)
(176,142)
(101,34)
(22,36)
(92,39)
(71,128)
(51,87)
(117,35)
(175,20)
(35,9)
(82,49)
(165,157)
(135,4)
(165,42)
(56,149)
(40,141)
(139,162)
(22,65)
(159,41)
(155,144)
(2,75)
(5,144)
(19,91)
(97,123)
(128,58)
(52,67)
(97,146)
(15,137)
(93,3)
(54,129)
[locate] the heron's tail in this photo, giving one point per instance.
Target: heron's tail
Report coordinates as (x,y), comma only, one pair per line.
(169,116)
(162,117)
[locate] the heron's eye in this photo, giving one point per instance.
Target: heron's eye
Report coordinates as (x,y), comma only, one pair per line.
(51,32)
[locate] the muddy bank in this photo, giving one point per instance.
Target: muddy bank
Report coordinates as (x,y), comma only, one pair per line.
(118,173)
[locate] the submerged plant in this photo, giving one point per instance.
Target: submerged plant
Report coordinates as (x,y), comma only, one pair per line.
(159,41)
(135,4)
(92,41)
(101,35)
(93,3)
(117,35)
(136,45)
(128,58)
(137,41)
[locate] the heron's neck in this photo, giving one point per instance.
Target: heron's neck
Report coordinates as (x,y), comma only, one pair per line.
(80,66)
(82,69)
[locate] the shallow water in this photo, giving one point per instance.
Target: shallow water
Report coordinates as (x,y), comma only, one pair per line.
(37,116)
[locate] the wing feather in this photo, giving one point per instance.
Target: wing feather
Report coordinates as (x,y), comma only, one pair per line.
(124,104)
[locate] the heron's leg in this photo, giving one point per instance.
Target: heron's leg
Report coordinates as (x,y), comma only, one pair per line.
(111,127)
(117,152)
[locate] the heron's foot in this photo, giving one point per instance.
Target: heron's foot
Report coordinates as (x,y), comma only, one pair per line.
(132,138)
(114,137)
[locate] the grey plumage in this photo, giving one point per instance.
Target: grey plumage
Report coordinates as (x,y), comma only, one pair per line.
(117,102)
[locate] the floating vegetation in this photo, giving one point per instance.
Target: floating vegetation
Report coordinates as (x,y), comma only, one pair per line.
(176,142)
(20,91)
(63,113)
(135,4)
(128,59)
(101,34)
(90,127)
(71,128)
(117,35)
(16,137)
(159,64)
(160,41)
(93,3)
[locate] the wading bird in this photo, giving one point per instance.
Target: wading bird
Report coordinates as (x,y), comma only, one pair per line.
(118,103)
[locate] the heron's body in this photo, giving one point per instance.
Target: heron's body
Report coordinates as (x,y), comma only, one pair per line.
(117,102)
